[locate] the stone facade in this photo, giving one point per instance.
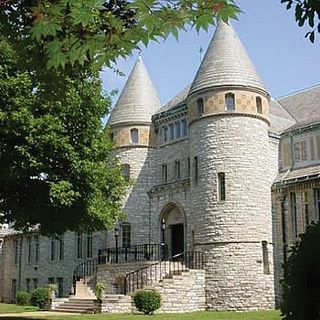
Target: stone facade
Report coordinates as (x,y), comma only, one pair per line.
(222,169)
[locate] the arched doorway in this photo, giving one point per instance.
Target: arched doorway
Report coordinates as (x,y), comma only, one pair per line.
(174,233)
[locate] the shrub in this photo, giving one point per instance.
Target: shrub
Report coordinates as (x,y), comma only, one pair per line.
(147,301)
(301,282)
(40,297)
(23,298)
(100,290)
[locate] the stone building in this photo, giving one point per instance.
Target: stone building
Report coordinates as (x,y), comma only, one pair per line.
(221,169)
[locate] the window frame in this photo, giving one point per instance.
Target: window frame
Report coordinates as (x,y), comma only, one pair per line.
(200,106)
(125,234)
(221,186)
(230,101)
(259,105)
(134,135)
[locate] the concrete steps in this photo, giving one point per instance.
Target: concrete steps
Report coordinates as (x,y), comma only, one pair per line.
(77,306)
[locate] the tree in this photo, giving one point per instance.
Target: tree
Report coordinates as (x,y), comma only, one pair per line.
(306,11)
(301,282)
(97,32)
(56,170)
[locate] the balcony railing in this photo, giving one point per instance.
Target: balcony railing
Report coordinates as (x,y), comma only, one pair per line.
(136,253)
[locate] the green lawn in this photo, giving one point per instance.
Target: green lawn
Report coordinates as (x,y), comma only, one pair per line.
(261,315)
(12,308)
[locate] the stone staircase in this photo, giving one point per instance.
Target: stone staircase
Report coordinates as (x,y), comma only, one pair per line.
(76,305)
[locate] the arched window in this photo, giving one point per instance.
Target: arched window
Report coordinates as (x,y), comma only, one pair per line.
(200,106)
(126,234)
(134,135)
(230,101)
(259,105)
(126,171)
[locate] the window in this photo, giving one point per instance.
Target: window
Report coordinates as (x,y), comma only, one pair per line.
(126,171)
(13,289)
(51,280)
(177,169)
(300,151)
(171,130)
(35,283)
(222,186)
(259,104)
(230,101)
(177,127)
(164,173)
(79,245)
(293,201)
(200,106)
(134,135)
(189,167)
(1,244)
(61,247)
(29,243)
(112,136)
(305,207)
(52,248)
(60,287)
(89,245)
(317,200)
(265,257)
(184,127)
(165,134)
(16,251)
(37,248)
(126,234)
(28,285)
(195,159)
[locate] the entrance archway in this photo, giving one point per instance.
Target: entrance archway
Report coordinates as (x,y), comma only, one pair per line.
(174,233)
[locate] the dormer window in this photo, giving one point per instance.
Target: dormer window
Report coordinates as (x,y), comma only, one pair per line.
(134,135)
(200,106)
(259,104)
(230,101)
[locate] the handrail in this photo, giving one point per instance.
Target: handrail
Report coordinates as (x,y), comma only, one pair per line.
(85,269)
(155,272)
(135,253)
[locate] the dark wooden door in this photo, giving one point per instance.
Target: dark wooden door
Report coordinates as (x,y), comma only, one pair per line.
(177,239)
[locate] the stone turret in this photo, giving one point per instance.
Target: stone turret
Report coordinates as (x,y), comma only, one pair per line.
(130,124)
(228,108)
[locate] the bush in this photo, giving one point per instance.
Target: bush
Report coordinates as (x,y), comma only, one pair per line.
(23,298)
(40,297)
(301,282)
(100,287)
(147,301)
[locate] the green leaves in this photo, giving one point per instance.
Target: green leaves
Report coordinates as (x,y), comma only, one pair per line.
(306,11)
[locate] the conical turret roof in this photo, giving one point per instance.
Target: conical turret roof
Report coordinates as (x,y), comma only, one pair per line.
(226,63)
(138,100)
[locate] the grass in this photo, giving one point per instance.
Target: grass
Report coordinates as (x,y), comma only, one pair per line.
(13,308)
(257,315)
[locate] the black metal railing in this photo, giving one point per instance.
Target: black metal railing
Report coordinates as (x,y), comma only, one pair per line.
(153,273)
(85,269)
(136,253)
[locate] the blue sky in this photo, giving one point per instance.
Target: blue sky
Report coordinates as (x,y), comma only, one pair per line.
(285,60)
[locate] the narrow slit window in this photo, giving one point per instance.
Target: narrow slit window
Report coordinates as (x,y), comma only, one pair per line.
(230,101)
(265,258)
(126,171)
(134,135)
(196,172)
(177,169)
(171,129)
(259,105)
(200,106)
(189,167)
(165,134)
(29,244)
(222,186)
(164,173)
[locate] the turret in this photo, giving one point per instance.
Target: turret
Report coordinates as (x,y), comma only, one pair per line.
(130,124)
(228,108)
